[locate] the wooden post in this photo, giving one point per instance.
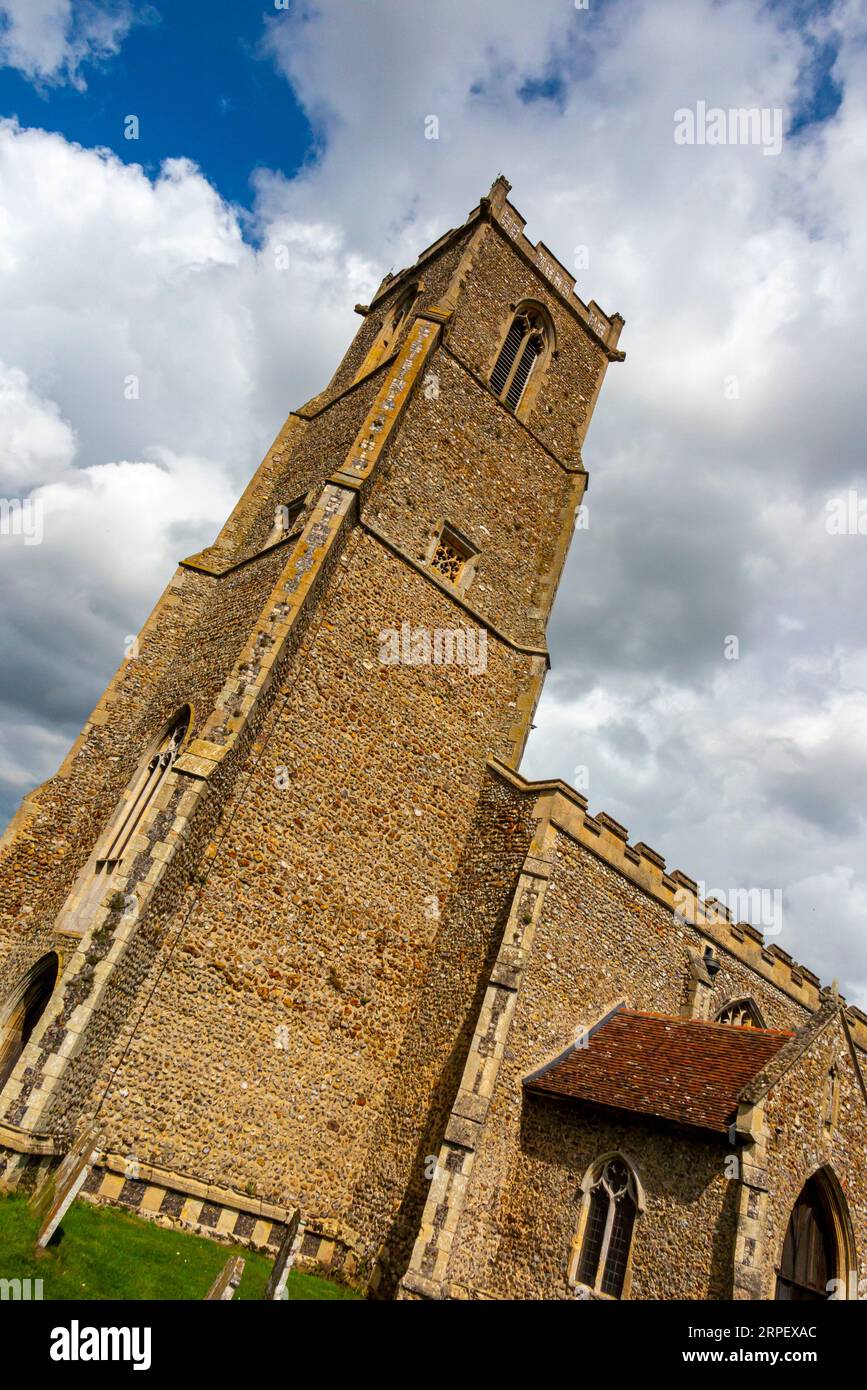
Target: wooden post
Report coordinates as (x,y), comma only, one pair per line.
(53,1200)
(227,1281)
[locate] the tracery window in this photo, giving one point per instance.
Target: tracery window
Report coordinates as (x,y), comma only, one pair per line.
(137,801)
(449,557)
(144,792)
(601,1260)
(525,343)
(741,1013)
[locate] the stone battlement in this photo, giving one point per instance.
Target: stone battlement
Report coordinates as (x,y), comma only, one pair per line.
(603,836)
(605,327)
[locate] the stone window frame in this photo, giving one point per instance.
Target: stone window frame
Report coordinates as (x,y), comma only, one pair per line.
(78,909)
(527,400)
(443,533)
(839,1227)
(590,1181)
(14,1010)
(395,320)
(745,1005)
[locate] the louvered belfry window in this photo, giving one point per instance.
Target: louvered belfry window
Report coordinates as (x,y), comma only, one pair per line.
(521,350)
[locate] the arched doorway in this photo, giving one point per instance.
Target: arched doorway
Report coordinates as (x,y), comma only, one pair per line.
(814,1262)
(24,1010)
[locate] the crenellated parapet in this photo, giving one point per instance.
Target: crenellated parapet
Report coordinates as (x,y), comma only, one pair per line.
(608,840)
(606,327)
(500,213)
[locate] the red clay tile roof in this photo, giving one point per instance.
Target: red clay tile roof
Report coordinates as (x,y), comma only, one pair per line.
(678,1069)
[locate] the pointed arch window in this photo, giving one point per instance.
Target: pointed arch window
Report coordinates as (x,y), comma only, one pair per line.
(741,1013)
(143,793)
(137,801)
(23,1010)
(603,1244)
(810,1260)
(524,346)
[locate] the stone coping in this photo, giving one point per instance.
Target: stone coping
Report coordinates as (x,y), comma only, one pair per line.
(220,571)
(194,1187)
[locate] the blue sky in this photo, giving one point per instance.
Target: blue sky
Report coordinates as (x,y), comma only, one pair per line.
(304,131)
(202,86)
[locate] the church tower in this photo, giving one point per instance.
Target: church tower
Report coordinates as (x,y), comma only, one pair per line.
(244,926)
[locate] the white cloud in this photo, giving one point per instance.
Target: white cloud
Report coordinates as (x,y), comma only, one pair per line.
(30,752)
(35,443)
(50,41)
(110,274)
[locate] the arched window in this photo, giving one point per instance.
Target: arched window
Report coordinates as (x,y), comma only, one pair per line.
(603,1243)
(742,1013)
(811,1256)
(524,347)
(143,793)
(137,801)
(23,1011)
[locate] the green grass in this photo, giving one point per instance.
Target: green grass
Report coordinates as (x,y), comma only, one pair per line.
(103,1253)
